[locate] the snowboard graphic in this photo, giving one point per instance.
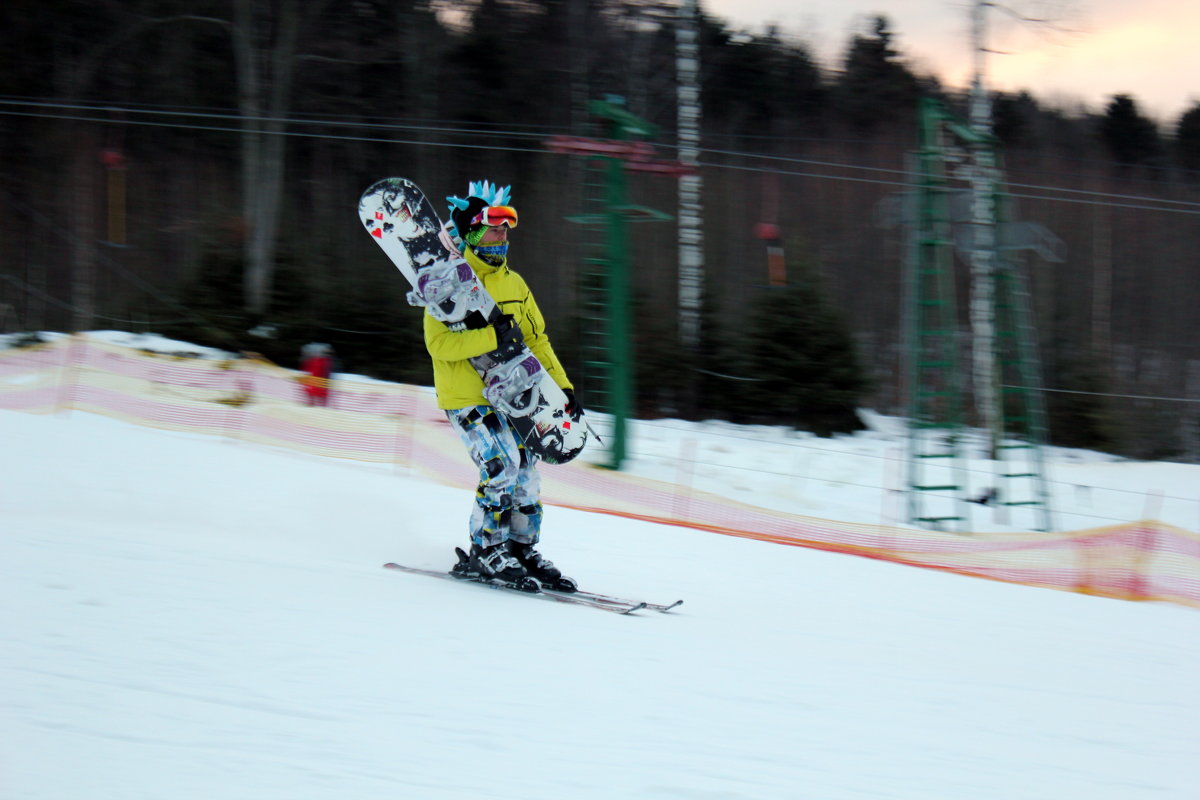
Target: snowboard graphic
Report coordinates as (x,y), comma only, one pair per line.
(403,222)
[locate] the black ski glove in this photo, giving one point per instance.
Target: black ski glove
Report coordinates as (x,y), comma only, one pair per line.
(574,410)
(471,322)
(508,331)
(509,338)
(474,321)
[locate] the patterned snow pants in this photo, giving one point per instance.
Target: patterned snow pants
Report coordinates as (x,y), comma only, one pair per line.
(508,500)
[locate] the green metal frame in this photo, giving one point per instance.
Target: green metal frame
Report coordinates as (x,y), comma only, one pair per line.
(936,473)
(608,355)
(936,467)
(1022,407)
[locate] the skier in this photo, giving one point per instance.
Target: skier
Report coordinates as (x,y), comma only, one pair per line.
(505,523)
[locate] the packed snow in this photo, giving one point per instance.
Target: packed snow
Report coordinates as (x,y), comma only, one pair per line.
(190,618)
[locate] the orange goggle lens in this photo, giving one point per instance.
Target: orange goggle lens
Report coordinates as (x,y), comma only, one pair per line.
(496,215)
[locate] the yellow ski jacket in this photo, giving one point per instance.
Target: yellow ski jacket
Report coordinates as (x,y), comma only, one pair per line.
(457,383)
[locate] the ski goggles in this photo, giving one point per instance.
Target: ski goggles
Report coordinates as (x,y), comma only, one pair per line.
(493,216)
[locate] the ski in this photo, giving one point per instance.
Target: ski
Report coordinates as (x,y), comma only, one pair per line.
(604,598)
(574,598)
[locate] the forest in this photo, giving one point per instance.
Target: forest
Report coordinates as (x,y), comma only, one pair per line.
(192,168)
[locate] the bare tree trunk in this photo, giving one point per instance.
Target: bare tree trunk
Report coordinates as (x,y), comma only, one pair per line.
(82,202)
(79,203)
(1102,285)
(250,107)
(82,166)
(264,50)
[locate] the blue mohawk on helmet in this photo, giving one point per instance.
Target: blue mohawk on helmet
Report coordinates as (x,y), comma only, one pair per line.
(480,194)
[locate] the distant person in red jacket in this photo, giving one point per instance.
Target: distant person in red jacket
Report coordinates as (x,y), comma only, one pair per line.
(317,361)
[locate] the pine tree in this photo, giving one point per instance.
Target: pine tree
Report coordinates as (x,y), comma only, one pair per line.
(801,351)
(874,84)
(1081,415)
(1187,140)
(1130,137)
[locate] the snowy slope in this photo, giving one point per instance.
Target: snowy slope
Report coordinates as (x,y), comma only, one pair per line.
(187,619)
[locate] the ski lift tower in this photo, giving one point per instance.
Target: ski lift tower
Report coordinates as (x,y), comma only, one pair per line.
(1004,352)
(604,287)
(1004,360)
(936,471)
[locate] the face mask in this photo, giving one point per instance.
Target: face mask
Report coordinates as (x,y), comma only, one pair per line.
(492,253)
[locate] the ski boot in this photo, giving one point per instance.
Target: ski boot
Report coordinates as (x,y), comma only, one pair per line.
(540,568)
(493,563)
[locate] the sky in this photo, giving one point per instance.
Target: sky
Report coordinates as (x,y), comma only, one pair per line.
(1097,48)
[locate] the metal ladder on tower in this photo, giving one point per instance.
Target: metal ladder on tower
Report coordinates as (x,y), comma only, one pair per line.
(606,323)
(938,496)
(595,352)
(936,479)
(1020,463)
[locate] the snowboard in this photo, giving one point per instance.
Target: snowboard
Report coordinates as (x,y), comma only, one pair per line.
(403,222)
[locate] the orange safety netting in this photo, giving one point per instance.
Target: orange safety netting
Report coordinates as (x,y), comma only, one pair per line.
(256,401)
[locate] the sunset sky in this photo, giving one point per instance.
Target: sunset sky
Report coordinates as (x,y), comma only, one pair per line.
(1096,49)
